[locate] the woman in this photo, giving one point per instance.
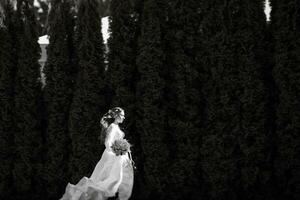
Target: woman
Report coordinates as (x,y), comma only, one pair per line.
(112,173)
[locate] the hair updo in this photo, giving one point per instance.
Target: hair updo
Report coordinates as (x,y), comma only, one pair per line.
(115,112)
(107,119)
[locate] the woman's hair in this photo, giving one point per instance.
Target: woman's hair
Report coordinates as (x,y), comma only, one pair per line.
(107,119)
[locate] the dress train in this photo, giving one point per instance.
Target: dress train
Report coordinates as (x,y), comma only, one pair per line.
(112,174)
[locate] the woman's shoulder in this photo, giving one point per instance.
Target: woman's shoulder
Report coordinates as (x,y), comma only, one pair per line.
(113,125)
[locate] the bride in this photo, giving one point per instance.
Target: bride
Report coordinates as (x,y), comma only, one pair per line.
(112,174)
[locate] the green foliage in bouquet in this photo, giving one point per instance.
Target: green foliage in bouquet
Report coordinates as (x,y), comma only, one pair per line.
(120,147)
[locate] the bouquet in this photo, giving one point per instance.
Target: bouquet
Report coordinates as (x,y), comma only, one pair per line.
(120,147)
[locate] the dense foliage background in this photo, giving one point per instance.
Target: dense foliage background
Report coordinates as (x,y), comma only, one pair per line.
(210,90)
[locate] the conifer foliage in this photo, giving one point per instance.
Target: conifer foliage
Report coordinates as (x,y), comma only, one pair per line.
(27,134)
(193,78)
(60,72)
(6,98)
(151,112)
(285,22)
(121,56)
(121,72)
(184,100)
(88,100)
(233,150)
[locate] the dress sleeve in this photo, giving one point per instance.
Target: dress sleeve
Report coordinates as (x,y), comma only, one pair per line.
(110,135)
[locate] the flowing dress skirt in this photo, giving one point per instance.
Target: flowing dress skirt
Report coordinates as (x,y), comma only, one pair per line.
(112,174)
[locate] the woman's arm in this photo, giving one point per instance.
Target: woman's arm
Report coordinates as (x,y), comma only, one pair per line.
(110,135)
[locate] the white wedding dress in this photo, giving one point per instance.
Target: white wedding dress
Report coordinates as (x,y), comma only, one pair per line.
(112,174)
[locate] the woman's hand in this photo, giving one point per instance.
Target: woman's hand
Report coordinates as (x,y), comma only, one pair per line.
(103,123)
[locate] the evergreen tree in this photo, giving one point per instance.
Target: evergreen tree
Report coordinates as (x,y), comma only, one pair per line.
(105,8)
(6,99)
(184,99)
(285,21)
(234,146)
(28,138)
(122,49)
(151,110)
(121,72)
(41,12)
(60,74)
(88,101)
(267,59)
